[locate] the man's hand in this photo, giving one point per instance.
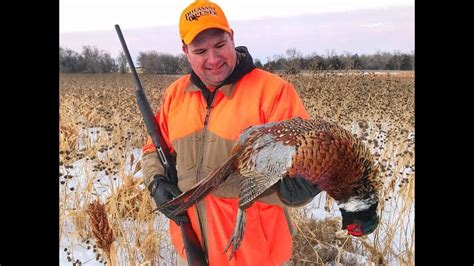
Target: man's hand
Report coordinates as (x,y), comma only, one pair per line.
(163,191)
(296,191)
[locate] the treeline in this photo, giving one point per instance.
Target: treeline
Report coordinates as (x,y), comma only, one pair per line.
(93,60)
(293,62)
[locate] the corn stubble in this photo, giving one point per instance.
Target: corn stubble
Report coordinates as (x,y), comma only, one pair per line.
(100,125)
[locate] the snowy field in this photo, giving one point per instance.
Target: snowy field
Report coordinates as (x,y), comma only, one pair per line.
(80,176)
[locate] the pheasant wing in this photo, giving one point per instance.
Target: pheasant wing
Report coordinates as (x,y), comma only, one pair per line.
(263,167)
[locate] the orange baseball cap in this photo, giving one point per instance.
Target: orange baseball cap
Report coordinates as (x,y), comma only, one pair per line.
(199,16)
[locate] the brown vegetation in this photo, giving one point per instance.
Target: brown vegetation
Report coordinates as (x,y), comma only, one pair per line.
(101,131)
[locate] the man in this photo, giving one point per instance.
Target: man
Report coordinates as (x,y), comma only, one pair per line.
(201,116)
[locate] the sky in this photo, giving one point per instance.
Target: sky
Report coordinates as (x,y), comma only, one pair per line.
(91,15)
(267,28)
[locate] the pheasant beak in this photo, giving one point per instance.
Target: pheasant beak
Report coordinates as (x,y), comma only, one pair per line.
(354,229)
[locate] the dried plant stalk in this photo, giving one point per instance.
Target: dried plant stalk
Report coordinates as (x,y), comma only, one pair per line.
(102,230)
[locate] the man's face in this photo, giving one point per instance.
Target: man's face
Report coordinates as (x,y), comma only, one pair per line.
(212,55)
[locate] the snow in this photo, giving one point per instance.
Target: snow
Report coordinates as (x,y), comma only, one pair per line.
(102,184)
(83,175)
(79,175)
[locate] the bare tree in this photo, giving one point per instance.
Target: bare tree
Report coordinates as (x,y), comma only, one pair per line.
(407,62)
(183,65)
(91,59)
(122,63)
(257,63)
(70,61)
(148,61)
(96,61)
(293,61)
(107,63)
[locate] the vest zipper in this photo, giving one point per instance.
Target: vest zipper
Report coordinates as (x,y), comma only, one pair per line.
(200,205)
(204,136)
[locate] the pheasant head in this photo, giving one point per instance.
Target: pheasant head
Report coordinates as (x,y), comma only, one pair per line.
(359,211)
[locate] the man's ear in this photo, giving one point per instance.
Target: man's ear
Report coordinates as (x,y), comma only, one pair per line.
(232,35)
(184,47)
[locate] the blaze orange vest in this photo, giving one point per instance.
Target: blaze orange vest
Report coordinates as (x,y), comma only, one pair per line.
(258,97)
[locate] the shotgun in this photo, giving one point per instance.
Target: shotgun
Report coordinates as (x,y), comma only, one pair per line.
(194,253)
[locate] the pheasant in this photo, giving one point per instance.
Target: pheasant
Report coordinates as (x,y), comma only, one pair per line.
(323,153)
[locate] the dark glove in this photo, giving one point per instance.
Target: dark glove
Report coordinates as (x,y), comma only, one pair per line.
(163,191)
(296,191)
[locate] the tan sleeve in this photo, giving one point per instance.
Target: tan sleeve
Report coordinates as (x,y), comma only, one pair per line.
(151,166)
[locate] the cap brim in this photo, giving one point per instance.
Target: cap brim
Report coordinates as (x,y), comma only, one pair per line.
(193,33)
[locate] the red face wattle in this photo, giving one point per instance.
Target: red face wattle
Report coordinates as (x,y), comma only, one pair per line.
(354,229)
